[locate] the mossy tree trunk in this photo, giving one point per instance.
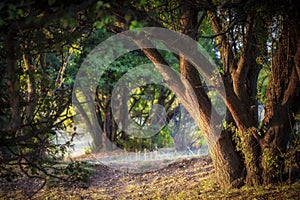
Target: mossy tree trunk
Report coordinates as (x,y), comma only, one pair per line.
(263,147)
(283,82)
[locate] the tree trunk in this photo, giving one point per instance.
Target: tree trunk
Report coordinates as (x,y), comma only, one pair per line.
(91,122)
(109,129)
(283,82)
(12,83)
(31,87)
(240,80)
(227,163)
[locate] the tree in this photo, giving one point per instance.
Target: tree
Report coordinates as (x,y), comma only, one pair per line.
(36,47)
(262,146)
(247,149)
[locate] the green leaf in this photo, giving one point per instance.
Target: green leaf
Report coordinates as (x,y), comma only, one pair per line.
(143,2)
(127,18)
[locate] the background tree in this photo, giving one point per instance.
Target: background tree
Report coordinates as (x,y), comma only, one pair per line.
(36,47)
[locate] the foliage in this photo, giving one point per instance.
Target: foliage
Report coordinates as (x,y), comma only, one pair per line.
(36,48)
(141,99)
(43,44)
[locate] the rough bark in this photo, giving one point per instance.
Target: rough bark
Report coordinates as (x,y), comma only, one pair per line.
(283,82)
(240,78)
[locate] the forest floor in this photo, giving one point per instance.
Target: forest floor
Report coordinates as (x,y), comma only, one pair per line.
(189,178)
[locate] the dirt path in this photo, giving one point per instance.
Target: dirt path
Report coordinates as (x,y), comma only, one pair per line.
(179,175)
(111,183)
(184,179)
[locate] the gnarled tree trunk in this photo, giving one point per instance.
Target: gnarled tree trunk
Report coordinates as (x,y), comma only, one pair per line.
(283,82)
